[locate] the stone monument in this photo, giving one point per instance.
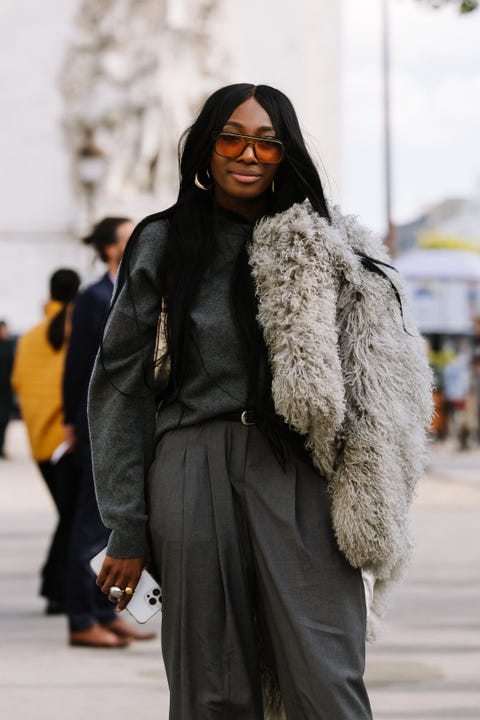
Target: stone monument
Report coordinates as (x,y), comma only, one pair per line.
(130,83)
(97,94)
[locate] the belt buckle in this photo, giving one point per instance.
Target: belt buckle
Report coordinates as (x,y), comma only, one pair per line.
(244,418)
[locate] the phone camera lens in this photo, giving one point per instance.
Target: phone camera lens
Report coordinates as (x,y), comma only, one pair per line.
(156,592)
(152,601)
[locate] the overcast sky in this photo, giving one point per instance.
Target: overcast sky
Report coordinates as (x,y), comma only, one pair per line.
(435,107)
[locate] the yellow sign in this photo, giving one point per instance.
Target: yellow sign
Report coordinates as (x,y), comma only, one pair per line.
(433,239)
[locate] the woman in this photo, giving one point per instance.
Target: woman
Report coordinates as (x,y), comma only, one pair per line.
(271,451)
(37,380)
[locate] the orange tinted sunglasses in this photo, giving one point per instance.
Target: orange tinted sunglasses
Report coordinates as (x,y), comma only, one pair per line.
(269,151)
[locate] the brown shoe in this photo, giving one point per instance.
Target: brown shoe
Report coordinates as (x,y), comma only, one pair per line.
(123,630)
(97,637)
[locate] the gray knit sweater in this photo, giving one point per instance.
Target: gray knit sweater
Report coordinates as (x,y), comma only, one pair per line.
(125,422)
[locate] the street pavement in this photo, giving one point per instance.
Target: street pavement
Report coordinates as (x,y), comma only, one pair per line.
(426,664)
(41,677)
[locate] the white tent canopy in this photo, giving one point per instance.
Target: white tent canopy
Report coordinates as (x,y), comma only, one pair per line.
(444,288)
(439,263)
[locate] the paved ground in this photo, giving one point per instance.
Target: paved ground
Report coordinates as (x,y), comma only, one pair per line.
(425,666)
(427,662)
(41,677)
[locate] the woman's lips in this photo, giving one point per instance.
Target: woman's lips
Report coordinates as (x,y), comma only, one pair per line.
(247,178)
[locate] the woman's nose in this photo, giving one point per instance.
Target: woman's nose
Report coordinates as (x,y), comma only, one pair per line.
(248,154)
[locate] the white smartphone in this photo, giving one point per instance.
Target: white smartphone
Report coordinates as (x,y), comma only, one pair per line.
(146,601)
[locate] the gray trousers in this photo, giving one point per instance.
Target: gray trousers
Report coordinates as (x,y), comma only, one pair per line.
(245,551)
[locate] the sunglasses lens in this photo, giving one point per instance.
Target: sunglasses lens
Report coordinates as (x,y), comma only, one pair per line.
(268,151)
(232,146)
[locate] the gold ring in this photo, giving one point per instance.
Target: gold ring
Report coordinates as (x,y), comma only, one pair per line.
(128,591)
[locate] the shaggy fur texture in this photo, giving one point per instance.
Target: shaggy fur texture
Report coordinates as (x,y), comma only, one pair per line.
(349,377)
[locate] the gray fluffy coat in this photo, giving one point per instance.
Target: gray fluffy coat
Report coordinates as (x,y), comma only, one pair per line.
(348,376)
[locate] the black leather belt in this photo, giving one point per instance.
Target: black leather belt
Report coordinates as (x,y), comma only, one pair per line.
(246,417)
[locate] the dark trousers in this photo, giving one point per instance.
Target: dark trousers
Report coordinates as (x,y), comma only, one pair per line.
(62,482)
(86,604)
(4,418)
(248,559)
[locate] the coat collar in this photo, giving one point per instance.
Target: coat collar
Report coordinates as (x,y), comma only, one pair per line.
(52,308)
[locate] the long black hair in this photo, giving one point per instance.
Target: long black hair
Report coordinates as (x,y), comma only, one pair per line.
(64,284)
(191,221)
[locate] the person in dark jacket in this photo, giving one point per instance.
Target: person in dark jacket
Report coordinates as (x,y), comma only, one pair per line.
(6,395)
(92,619)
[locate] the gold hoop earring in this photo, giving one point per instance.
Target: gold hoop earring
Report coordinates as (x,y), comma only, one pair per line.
(199,184)
(273,186)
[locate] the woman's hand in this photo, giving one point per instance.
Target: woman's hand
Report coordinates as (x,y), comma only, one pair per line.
(122,573)
(69,435)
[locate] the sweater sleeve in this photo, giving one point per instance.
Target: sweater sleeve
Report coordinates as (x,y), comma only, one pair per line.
(122,404)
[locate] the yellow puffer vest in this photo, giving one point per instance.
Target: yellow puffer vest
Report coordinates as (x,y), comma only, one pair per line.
(37,380)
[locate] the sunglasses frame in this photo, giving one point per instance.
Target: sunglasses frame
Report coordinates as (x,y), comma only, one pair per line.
(251,140)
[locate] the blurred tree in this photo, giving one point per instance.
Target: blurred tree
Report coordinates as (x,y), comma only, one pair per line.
(465,6)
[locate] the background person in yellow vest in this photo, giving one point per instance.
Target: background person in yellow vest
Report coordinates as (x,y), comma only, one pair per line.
(37,380)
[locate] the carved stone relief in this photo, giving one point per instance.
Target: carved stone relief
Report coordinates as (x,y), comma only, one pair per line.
(135,74)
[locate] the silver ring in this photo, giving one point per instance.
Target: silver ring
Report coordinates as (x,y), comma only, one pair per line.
(116,592)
